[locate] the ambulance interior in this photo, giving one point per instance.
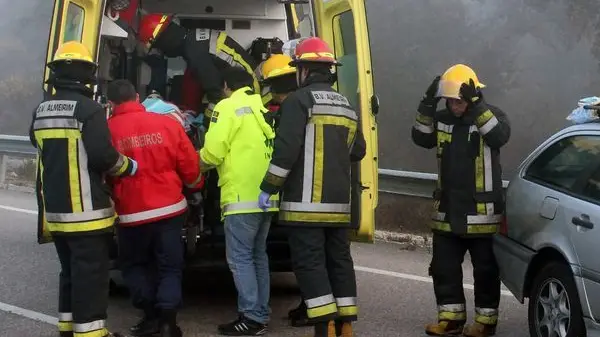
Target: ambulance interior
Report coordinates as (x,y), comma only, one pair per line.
(121,56)
(243,20)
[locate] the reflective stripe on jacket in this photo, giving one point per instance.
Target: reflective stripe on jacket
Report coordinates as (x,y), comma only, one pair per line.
(207,52)
(239,144)
(74,152)
(167,159)
(317,139)
(469,197)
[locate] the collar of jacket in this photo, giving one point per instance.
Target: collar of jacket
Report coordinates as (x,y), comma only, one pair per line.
(128,107)
(245,91)
(314,78)
(71,85)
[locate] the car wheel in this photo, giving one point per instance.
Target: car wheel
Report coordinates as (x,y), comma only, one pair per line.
(554,307)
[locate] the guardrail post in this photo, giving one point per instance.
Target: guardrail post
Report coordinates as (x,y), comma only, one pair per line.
(3,160)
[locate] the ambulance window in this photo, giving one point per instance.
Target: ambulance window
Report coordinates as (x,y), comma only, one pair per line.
(345,52)
(74,23)
(302,18)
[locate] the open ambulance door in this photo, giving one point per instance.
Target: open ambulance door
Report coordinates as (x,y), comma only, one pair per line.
(74,20)
(343,24)
(79,20)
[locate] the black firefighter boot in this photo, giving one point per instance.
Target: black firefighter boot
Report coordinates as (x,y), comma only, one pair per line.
(149,325)
(298,316)
(168,324)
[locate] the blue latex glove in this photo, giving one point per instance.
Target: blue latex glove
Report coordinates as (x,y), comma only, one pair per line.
(263,201)
(135,166)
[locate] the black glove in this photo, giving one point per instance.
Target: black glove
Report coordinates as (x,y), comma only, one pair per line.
(432,91)
(470,93)
(429,102)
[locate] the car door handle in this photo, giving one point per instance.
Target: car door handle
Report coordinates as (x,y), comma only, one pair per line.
(583,221)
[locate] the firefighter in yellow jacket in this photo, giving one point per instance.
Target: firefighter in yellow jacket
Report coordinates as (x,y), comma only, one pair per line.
(317,140)
(239,144)
(469,200)
(70,131)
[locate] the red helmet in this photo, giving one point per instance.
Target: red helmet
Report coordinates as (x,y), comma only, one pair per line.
(151,26)
(314,49)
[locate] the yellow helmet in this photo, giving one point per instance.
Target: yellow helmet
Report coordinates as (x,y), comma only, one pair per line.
(72,51)
(453,78)
(277,65)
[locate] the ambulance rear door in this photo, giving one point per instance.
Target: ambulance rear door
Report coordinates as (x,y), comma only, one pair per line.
(343,24)
(72,20)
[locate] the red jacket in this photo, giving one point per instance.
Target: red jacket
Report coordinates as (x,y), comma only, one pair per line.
(166,162)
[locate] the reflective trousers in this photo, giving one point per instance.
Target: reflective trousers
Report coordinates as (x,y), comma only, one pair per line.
(325,272)
(84,283)
(446,270)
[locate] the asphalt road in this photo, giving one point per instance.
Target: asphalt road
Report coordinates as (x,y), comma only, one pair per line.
(395,294)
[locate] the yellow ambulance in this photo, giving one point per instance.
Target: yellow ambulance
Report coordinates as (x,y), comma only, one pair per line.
(108,28)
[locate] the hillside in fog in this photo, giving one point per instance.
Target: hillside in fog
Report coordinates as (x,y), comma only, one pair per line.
(24,27)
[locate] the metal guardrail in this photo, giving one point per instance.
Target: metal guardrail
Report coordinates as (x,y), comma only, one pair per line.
(407,183)
(13,146)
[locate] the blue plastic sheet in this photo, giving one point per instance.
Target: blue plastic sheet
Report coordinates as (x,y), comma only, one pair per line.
(159,106)
(581,115)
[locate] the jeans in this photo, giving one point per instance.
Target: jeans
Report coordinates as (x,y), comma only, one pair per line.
(246,241)
(151,260)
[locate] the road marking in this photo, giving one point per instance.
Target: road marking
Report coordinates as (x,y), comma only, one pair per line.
(36,316)
(414,277)
(20,210)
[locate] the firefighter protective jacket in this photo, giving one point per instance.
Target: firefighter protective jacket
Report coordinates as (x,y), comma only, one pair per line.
(74,153)
(208,52)
(469,195)
(317,139)
(167,161)
(239,144)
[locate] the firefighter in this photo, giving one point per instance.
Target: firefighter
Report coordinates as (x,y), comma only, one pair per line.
(317,140)
(70,131)
(279,79)
(469,200)
(239,145)
(206,51)
(149,231)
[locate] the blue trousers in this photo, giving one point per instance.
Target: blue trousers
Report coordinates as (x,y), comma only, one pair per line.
(151,260)
(246,249)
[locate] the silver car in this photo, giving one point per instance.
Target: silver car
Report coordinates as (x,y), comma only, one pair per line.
(548,247)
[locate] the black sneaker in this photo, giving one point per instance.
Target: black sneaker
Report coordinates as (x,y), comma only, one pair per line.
(243,327)
(145,327)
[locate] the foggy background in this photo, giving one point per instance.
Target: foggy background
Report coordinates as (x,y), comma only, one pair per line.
(537,58)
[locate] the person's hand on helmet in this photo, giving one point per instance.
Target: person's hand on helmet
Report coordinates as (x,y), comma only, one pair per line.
(429,101)
(470,93)
(432,91)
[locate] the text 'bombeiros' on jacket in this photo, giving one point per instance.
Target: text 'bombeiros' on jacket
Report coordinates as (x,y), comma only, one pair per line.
(74,153)
(239,143)
(168,163)
(317,140)
(469,196)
